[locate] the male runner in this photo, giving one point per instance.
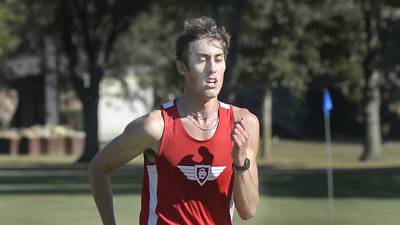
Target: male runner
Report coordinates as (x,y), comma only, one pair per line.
(200,153)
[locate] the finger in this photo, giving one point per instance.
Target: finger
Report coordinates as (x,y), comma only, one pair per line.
(242,130)
(239,134)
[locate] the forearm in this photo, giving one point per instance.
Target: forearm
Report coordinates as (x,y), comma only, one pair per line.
(246,193)
(102,193)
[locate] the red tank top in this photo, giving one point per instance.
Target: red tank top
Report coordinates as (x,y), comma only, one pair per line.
(191,181)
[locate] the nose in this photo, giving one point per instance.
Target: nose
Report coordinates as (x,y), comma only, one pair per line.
(212,67)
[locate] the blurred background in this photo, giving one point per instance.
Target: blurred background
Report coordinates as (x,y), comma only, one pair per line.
(74,73)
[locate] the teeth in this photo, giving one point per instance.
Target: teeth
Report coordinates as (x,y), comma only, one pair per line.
(211,81)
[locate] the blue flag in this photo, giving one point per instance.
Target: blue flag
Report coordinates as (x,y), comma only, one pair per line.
(327,103)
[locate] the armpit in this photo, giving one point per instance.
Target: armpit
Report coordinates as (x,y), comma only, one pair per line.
(150,156)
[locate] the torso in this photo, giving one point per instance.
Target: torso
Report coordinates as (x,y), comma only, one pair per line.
(190,178)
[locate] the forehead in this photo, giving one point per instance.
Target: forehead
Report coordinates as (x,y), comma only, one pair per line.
(206,46)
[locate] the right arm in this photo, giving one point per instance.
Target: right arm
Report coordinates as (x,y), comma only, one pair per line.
(141,134)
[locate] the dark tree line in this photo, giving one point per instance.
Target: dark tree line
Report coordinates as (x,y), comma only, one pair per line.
(299,47)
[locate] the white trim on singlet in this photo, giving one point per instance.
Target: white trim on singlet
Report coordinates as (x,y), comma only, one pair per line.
(152,173)
(232,208)
(168,104)
(224,105)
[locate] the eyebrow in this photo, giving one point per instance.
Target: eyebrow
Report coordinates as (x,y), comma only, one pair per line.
(206,54)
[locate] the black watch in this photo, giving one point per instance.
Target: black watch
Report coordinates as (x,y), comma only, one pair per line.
(246,165)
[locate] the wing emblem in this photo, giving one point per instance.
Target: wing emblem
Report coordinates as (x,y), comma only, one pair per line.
(201,173)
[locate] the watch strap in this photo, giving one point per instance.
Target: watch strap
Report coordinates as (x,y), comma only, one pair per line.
(245,166)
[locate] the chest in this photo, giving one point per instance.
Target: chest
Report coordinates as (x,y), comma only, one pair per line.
(178,151)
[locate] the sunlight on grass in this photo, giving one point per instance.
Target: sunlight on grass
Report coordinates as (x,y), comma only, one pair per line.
(301,154)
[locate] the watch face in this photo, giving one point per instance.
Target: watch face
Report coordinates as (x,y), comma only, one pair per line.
(246,165)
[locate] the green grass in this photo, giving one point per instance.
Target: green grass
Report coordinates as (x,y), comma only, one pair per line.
(60,209)
(50,190)
(300,154)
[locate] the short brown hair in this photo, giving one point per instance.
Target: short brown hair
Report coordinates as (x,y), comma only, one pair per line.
(199,28)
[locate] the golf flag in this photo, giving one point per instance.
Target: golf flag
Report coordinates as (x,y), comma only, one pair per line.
(327,103)
(327,106)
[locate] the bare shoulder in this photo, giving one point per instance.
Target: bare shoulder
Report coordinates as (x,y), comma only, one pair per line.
(250,118)
(141,134)
(151,125)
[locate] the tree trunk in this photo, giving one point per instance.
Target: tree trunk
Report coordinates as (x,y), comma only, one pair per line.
(90,118)
(372,136)
(267,123)
(372,67)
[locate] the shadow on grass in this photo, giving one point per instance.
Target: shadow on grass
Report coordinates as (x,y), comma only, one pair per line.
(371,183)
(73,179)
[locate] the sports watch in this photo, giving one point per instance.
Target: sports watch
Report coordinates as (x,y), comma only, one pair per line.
(246,165)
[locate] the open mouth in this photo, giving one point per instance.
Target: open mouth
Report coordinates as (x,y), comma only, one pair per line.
(211,81)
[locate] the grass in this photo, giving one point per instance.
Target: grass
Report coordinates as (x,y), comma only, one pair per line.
(309,155)
(49,190)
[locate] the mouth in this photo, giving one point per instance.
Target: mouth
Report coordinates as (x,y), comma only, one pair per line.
(211,83)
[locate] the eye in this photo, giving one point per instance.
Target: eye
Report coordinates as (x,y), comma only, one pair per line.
(219,58)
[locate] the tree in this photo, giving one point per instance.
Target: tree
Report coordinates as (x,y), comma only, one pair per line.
(302,45)
(372,73)
(89,30)
(379,22)
(269,52)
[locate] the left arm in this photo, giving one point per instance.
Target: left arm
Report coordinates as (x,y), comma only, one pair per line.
(246,138)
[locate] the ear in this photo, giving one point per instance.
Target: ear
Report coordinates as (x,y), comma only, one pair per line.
(181,67)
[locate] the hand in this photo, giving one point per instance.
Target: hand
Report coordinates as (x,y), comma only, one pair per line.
(240,137)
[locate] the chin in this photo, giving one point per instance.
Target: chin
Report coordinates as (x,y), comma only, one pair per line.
(211,93)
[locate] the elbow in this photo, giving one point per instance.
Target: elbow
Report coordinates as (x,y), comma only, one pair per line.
(249,212)
(248,215)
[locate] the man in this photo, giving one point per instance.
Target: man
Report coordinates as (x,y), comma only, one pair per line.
(200,153)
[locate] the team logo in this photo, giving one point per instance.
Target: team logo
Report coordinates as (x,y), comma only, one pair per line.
(201,173)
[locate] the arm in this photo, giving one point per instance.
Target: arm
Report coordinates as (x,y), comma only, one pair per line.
(246,138)
(139,135)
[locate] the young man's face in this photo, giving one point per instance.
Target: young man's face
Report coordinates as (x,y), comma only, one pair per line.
(205,68)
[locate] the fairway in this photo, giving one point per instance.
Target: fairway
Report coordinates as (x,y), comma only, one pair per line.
(49,190)
(63,209)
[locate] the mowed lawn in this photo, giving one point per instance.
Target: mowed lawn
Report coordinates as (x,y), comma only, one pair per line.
(50,190)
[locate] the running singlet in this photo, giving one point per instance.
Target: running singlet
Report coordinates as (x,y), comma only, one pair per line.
(191,181)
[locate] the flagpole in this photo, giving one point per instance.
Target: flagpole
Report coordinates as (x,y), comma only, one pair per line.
(327,107)
(329,170)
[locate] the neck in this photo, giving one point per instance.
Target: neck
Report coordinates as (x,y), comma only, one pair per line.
(197,107)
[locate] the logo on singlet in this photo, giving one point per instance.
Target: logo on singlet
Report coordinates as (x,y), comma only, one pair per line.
(201,173)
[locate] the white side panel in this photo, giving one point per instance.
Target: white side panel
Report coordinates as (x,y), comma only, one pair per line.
(152,172)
